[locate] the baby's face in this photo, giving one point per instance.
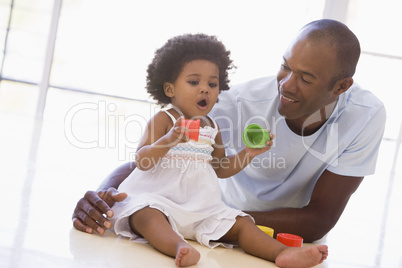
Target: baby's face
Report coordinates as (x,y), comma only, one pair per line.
(196,88)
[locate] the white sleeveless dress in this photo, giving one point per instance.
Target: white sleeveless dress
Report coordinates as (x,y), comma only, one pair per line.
(183,186)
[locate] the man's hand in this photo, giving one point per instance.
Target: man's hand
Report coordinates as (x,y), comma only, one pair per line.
(93,210)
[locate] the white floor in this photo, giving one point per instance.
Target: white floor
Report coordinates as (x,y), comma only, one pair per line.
(46,166)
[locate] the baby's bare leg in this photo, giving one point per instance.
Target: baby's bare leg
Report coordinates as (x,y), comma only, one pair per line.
(155,228)
(252,240)
(255,242)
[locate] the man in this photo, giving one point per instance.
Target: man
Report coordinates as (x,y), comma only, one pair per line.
(328,131)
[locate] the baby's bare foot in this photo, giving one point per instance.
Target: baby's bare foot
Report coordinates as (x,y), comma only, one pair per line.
(302,257)
(187,256)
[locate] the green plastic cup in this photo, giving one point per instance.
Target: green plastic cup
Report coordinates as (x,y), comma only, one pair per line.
(255,136)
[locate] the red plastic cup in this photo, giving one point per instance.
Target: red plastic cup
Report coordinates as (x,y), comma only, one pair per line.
(290,240)
(193,127)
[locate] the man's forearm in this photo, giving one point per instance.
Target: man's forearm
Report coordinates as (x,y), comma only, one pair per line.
(302,222)
(327,203)
(118,175)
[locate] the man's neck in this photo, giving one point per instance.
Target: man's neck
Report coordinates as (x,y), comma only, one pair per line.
(309,125)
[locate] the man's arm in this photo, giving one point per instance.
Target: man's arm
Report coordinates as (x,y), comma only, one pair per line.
(328,200)
(93,210)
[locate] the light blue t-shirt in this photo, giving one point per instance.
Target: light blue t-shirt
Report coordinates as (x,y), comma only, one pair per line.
(347,144)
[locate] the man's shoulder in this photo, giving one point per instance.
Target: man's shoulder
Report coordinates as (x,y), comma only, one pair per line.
(360,102)
(357,95)
(360,112)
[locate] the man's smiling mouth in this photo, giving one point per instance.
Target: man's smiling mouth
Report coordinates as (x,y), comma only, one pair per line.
(288,99)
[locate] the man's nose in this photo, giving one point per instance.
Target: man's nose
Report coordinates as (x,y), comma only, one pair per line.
(288,82)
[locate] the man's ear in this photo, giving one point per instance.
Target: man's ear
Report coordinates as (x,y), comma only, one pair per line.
(169,89)
(343,85)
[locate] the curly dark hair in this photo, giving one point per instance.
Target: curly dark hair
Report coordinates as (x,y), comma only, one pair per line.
(170,59)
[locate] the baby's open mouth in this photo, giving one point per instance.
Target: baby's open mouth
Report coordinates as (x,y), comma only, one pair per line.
(202,103)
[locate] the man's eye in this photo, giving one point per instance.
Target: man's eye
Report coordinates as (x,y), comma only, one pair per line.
(305,81)
(284,67)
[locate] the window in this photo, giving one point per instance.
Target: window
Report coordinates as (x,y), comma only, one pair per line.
(24,35)
(378,25)
(104,46)
(108,48)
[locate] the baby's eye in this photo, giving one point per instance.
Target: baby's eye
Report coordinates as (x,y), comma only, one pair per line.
(194,83)
(213,84)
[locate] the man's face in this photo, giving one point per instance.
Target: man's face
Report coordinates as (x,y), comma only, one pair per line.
(304,79)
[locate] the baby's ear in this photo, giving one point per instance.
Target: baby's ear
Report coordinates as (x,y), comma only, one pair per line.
(169,89)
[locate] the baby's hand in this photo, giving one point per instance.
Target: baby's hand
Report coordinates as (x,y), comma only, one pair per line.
(256,151)
(177,133)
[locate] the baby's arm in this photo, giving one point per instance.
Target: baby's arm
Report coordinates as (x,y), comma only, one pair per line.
(160,135)
(226,166)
